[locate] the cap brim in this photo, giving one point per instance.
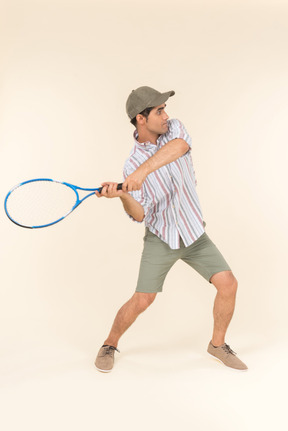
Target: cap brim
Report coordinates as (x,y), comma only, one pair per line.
(159,100)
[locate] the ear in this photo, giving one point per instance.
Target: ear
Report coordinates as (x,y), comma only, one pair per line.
(140,119)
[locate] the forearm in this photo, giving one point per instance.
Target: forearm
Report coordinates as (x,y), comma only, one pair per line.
(132,207)
(167,154)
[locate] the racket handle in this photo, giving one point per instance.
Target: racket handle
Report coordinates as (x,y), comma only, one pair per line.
(119,187)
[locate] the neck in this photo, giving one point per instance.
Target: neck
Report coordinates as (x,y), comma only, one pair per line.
(144,136)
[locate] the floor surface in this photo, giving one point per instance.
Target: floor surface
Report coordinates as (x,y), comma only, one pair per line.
(52,384)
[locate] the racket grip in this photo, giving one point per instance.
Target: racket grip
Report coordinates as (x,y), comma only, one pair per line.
(119,187)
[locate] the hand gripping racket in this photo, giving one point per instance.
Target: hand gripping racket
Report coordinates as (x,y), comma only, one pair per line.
(43,202)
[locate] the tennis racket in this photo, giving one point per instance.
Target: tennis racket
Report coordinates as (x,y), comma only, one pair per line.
(43,202)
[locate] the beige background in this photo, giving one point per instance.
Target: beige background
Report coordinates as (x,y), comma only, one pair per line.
(66,71)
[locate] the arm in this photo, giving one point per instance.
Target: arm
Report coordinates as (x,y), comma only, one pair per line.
(167,154)
(131,206)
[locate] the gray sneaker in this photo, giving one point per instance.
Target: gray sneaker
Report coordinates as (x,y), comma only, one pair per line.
(226,355)
(105,358)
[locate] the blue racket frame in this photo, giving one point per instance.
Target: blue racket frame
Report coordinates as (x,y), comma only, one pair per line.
(72,186)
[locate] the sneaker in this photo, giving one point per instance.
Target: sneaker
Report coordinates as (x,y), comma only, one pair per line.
(226,355)
(105,358)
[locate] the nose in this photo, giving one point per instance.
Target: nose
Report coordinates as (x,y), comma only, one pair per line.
(166,116)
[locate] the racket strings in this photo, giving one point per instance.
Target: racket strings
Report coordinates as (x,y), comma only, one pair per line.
(40,203)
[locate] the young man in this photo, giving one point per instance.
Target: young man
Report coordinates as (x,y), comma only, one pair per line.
(159,188)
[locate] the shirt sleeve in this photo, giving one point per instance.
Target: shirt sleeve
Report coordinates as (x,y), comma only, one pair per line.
(140,196)
(177,131)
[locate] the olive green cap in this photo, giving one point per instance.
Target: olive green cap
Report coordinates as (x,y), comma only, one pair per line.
(145,97)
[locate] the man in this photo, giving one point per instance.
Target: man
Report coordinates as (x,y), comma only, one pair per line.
(159,188)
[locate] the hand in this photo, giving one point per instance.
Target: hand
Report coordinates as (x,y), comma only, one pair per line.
(134,181)
(109,190)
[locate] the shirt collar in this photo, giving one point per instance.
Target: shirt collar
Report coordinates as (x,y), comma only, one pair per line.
(144,144)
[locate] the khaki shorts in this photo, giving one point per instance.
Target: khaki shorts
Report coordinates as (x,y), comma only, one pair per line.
(158,258)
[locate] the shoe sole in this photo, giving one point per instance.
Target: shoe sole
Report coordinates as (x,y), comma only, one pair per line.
(230,368)
(103,371)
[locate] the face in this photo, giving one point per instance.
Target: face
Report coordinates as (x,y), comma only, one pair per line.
(156,122)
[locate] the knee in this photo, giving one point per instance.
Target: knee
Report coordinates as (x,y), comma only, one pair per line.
(143,300)
(226,284)
(233,285)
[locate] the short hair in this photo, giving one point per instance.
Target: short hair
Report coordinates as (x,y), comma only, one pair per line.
(145,114)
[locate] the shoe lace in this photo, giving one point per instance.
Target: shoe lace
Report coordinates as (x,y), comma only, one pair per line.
(109,350)
(228,349)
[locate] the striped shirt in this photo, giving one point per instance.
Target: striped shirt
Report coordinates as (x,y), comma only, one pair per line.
(168,195)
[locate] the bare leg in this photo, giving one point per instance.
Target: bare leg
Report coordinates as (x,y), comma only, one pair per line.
(127,314)
(224,305)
